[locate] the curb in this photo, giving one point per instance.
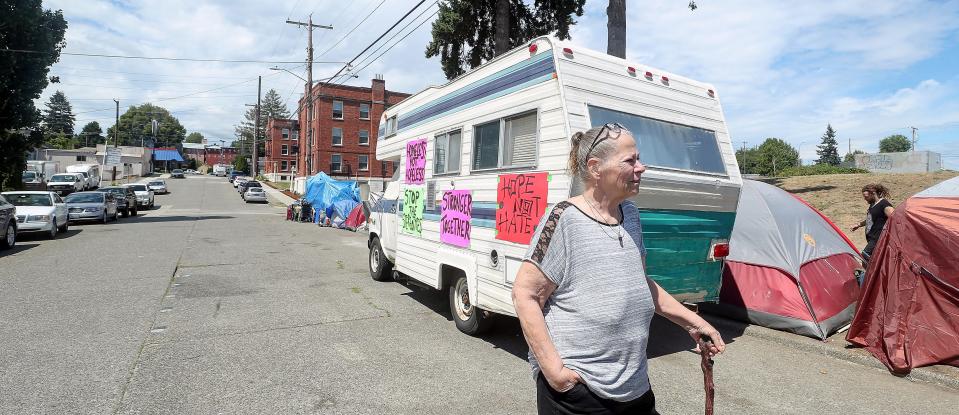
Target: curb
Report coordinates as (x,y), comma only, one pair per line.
(924,375)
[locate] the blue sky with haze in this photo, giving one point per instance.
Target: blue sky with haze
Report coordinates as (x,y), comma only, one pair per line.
(782,69)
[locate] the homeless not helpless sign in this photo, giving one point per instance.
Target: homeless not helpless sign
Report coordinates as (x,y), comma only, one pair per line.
(415,161)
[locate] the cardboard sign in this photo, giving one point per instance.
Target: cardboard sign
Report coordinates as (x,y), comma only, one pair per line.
(521,202)
(455,214)
(416,161)
(413,210)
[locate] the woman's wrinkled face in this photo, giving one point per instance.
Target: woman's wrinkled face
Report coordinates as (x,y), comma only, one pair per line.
(621,171)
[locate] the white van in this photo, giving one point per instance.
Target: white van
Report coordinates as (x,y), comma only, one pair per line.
(92,172)
(222,170)
(492,145)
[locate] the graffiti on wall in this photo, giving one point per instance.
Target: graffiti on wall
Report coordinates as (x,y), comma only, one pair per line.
(876,162)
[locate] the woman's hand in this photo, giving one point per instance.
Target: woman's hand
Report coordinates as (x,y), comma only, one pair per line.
(707,337)
(564,380)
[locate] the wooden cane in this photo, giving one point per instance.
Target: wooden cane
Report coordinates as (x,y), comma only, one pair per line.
(707,365)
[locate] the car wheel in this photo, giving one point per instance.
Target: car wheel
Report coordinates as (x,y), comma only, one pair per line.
(380,267)
(65,227)
(116,213)
(53,229)
(126,212)
(105,218)
(10,238)
(135,211)
(469,319)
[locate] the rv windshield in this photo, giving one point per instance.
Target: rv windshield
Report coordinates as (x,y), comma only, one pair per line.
(29,175)
(665,144)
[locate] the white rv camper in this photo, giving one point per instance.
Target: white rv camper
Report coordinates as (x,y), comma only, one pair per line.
(483,157)
(92,172)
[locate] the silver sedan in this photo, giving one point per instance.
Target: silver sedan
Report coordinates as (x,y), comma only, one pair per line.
(254,194)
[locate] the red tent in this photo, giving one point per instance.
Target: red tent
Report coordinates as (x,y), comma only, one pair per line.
(909,311)
(788,268)
(356,218)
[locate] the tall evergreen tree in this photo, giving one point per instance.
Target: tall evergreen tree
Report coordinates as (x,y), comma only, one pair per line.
(24,25)
(58,117)
(272,107)
(91,134)
(828,151)
(468,33)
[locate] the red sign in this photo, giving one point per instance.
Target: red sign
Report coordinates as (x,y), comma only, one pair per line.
(521,201)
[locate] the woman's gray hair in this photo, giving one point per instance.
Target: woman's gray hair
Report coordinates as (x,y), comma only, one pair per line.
(580,152)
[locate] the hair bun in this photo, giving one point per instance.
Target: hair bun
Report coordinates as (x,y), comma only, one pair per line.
(578,137)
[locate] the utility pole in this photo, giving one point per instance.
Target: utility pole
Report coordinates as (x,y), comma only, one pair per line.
(914,138)
(309,87)
(256,127)
(116,138)
(744,156)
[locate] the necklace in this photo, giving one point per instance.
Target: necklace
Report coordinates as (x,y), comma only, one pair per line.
(618,226)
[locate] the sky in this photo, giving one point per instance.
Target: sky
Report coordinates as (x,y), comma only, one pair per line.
(781,69)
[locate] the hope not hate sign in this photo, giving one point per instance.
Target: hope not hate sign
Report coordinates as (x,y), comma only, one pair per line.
(415,161)
(456,211)
(521,202)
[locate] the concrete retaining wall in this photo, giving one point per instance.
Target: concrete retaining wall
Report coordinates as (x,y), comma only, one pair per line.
(907,162)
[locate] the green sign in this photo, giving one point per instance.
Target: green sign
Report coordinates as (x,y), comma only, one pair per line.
(413,210)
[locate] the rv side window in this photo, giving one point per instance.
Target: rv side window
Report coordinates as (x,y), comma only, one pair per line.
(505,143)
(446,153)
(666,144)
(391,126)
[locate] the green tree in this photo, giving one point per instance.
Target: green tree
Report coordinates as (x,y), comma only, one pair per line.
(272,107)
(61,141)
(240,164)
(24,25)
(748,160)
(468,33)
(91,134)
(828,151)
(136,125)
(194,137)
(58,117)
(894,144)
(774,155)
(851,157)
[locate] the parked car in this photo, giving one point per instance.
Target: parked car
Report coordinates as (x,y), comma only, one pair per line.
(8,224)
(233,175)
(126,199)
(190,171)
(144,195)
(39,211)
(65,183)
(254,194)
(97,206)
(240,180)
(158,186)
(177,174)
(33,180)
(248,184)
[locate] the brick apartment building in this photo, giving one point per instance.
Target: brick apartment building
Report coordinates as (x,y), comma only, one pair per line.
(216,154)
(344,124)
(282,149)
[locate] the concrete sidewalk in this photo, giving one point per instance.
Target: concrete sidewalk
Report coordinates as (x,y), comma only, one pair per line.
(277,195)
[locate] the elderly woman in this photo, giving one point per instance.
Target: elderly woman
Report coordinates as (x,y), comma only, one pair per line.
(582,295)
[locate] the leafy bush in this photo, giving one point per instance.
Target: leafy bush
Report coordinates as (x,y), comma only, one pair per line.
(818,169)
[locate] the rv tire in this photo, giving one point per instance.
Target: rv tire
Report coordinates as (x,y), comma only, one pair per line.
(380,267)
(469,319)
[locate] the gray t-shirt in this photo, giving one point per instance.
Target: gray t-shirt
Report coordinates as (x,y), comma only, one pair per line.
(599,315)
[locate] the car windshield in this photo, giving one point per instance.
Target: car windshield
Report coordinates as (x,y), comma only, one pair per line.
(27,199)
(115,190)
(138,188)
(177,171)
(29,175)
(63,178)
(156,183)
(251,184)
(85,198)
(256,189)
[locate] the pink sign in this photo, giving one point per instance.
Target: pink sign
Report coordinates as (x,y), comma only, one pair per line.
(455,214)
(416,161)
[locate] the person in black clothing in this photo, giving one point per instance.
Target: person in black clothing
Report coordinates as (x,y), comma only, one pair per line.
(879,210)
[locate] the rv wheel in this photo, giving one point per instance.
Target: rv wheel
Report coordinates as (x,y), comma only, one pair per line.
(380,267)
(469,319)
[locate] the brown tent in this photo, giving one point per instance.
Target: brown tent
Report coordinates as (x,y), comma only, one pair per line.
(908,314)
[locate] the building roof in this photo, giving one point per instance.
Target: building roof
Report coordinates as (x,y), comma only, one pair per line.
(164,154)
(194,146)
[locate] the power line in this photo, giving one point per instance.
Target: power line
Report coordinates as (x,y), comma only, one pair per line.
(58,67)
(354,28)
(97,55)
(379,38)
(367,63)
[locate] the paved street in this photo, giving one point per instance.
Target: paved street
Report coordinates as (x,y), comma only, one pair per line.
(208,305)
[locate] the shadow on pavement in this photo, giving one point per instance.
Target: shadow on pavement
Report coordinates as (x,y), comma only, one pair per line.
(178,218)
(18,248)
(40,236)
(666,338)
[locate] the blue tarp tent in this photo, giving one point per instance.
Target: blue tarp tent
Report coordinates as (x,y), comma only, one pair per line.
(333,198)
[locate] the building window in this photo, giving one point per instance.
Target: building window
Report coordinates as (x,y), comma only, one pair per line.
(446,153)
(364,162)
(336,163)
(81,158)
(283,165)
(337,110)
(504,143)
(364,111)
(286,133)
(294,150)
(284,150)
(296,134)
(337,136)
(391,126)
(364,138)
